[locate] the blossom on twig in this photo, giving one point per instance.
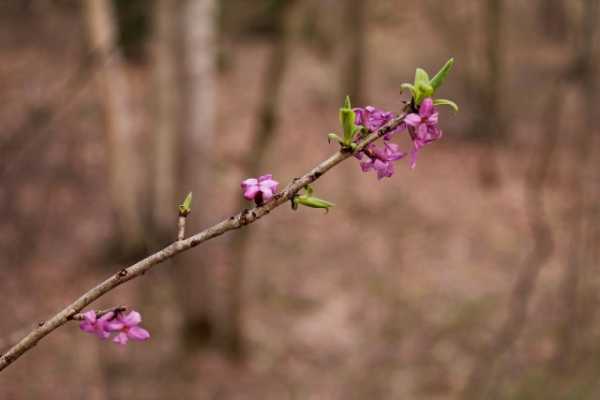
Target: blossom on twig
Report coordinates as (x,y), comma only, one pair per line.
(260,190)
(127,326)
(423,127)
(97,326)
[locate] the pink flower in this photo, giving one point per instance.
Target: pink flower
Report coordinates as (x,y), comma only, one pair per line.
(381,159)
(97,326)
(260,190)
(422,127)
(373,119)
(127,327)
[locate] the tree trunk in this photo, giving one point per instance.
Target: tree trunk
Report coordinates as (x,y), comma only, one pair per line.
(352,49)
(167,155)
(579,192)
(553,18)
(264,132)
(490,123)
(123,158)
(195,281)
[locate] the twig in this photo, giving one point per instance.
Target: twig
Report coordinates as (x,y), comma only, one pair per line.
(245,217)
(181,232)
(99,313)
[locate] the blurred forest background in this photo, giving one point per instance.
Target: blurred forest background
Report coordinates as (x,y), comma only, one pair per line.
(474,276)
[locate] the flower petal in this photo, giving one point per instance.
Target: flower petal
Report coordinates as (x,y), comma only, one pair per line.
(412,120)
(433,118)
(131,319)
(138,333)
(263,178)
(269,184)
(107,316)
(249,182)
(90,316)
(121,338)
(87,327)
(102,334)
(426,109)
(422,131)
(366,166)
(114,326)
(251,191)
(267,194)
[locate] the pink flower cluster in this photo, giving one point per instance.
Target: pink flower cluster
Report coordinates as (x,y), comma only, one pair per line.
(422,128)
(125,325)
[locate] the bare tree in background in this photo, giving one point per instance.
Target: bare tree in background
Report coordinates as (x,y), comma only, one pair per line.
(553,18)
(485,374)
(167,138)
(123,158)
(581,211)
(485,371)
(482,70)
(490,122)
(352,49)
(264,132)
(198,24)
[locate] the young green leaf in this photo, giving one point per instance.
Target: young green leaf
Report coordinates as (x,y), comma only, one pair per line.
(421,77)
(424,90)
(445,102)
(186,207)
(409,87)
(347,118)
(335,138)
(313,202)
(347,103)
(439,78)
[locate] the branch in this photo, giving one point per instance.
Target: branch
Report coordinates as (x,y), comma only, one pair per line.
(243,218)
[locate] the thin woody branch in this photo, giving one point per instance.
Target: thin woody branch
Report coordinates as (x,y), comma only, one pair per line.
(181,228)
(99,313)
(243,218)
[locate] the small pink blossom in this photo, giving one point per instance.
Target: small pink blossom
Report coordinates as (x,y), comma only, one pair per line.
(373,118)
(423,128)
(260,190)
(97,326)
(127,326)
(381,159)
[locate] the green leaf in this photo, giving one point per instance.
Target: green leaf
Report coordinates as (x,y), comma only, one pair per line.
(347,103)
(335,138)
(445,102)
(424,90)
(409,87)
(347,118)
(186,207)
(439,78)
(313,202)
(421,77)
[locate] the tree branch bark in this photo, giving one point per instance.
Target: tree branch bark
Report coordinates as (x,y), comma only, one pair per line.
(241,219)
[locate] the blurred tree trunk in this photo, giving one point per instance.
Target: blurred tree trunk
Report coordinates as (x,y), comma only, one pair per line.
(484,374)
(489,122)
(264,132)
(553,18)
(581,210)
(195,282)
(167,156)
(352,49)
(123,158)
